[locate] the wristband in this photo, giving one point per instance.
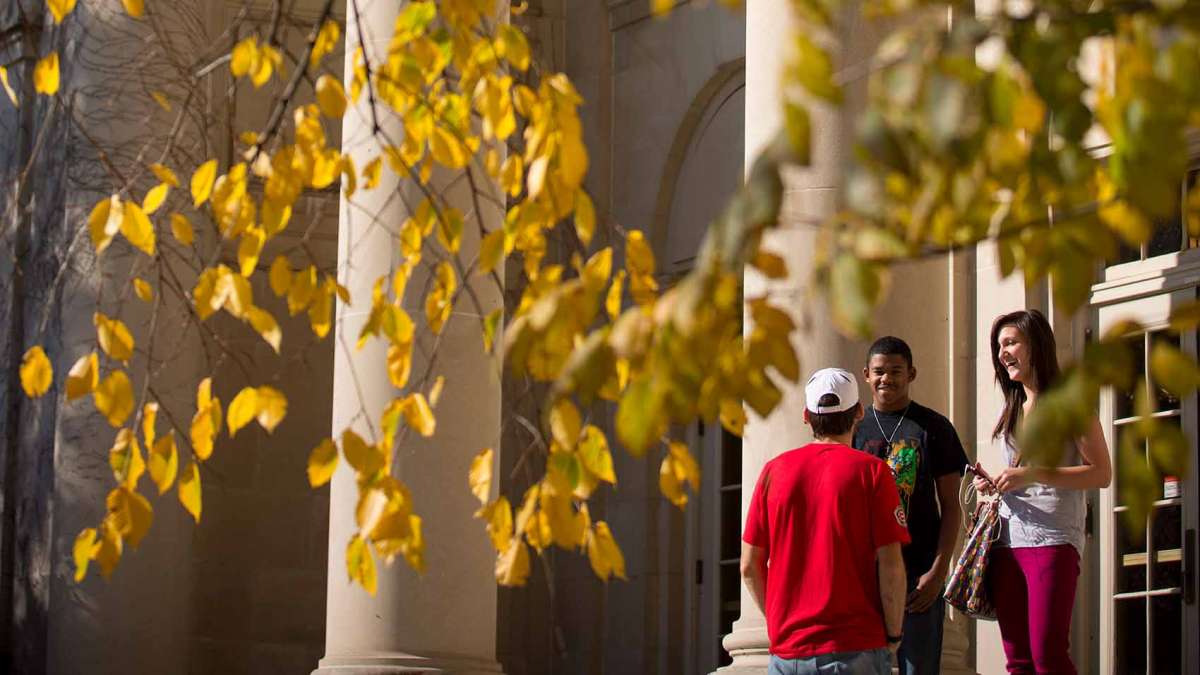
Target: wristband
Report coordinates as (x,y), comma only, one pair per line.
(895,638)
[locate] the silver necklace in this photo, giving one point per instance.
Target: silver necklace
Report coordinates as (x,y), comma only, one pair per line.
(880,424)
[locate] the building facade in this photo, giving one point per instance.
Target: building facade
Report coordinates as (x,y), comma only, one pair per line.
(675,109)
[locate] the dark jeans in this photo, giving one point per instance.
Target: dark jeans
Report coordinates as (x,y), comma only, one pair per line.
(921,651)
(870,662)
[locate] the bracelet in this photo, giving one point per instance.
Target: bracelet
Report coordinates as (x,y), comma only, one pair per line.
(895,638)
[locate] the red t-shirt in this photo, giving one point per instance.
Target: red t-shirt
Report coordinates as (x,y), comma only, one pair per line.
(828,508)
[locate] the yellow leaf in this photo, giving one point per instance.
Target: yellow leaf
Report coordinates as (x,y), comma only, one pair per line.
(685,466)
(536,178)
(585,217)
(322,462)
(280,276)
(114,337)
(360,565)
(249,249)
(163,462)
(202,182)
(491,323)
(135,8)
(45,75)
(181,227)
(206,422)
(480,477)
(265,325)
(60,9)
(733,416)
(162,101)
(516,47)
(331,97)
(189,490)
(565,423)
(435,392)
(36,372)
(83,551)
(155,198)
(365,459)
(491,250)
(12,95)
(130,514)
(137,228)
(511,173)
(165,175)
(149,419)
(125,459)
(272,408)
(418,415)
(371,173)
(275,217)
(612,302)
(595,454)
(244,56)
(114,398)
(320,312)
(108,553)
(399,364)
(142,290)
(604,554)
(301,290)
(1128,222)
(498,517)
(512,566)
(268,60)
(242,409)
(105,221)
(83,376)
(572,161)
(325,43)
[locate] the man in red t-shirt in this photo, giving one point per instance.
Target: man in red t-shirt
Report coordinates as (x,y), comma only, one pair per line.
(821,553)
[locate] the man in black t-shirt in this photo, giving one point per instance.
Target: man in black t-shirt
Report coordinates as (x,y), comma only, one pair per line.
(927,459)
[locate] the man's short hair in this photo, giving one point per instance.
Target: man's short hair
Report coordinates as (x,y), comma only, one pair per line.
(889,345)
(829,425)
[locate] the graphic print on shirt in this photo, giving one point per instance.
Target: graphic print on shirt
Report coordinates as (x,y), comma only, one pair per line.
(904,461)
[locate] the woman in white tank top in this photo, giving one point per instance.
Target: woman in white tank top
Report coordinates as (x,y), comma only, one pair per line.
(1034,566)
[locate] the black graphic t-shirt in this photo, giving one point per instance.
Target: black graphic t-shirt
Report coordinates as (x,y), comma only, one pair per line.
(924,447)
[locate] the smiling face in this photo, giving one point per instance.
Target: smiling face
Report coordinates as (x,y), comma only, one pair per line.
(889,376)
(1014,355)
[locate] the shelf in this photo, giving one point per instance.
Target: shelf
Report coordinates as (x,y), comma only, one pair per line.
(1137,559)
(1174,501)
(1147,594)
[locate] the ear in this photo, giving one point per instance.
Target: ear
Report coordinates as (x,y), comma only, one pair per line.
(912,373)
(859,413)
(867,373)
(806,419)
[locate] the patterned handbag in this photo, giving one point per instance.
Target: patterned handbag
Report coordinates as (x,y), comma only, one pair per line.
(966,589)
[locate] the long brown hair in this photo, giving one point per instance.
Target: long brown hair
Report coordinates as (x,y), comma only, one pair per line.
(1044,357)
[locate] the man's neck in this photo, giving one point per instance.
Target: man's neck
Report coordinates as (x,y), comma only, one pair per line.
(892,407)
(844,439)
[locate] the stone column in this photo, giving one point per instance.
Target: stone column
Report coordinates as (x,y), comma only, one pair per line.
(811,194)
(445,620)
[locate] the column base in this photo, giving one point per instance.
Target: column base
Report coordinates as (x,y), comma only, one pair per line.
(749,648)
(399,664)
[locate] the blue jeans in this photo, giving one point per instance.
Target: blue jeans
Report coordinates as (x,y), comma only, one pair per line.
(921,651)
(870,662)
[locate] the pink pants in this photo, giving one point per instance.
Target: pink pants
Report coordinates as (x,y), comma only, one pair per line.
(1034,590)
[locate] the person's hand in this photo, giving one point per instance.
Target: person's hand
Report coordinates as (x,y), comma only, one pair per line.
(928,590)
(1014,478)
(981,481)
(893,647)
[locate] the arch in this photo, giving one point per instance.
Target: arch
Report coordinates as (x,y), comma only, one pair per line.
(702,104)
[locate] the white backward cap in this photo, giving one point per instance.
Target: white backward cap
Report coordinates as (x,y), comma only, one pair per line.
(831,381)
